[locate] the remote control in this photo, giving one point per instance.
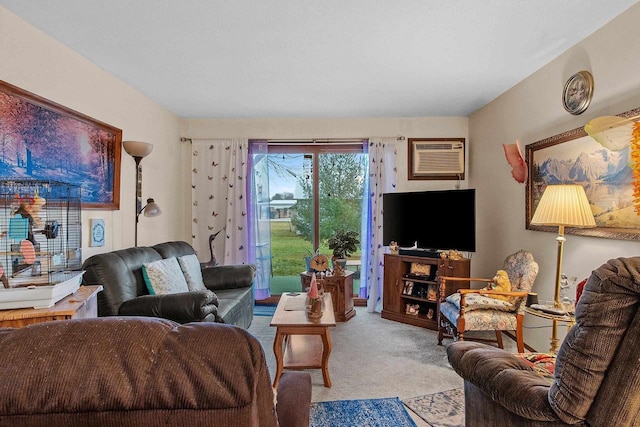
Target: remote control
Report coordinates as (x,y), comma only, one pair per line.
(548,309)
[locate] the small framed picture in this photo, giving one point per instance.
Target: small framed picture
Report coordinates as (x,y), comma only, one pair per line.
(432,293)
(97,232)
(418,269)
(408,288)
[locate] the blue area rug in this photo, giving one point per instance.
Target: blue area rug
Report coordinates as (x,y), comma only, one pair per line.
(362,413)
(264,310)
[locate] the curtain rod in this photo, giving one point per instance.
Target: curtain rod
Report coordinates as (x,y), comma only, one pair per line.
(316,141)
(303,141)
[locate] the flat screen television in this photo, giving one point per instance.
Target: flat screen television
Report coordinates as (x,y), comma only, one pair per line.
(436,220)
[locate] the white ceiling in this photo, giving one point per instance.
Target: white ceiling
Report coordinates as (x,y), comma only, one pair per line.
(319,58)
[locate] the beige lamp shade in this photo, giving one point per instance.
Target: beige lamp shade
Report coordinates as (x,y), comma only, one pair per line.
(565,205)
(137,148)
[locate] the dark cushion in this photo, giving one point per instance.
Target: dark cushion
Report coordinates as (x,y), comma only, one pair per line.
(235,306)
(606,310)
(125,371)
(120,274)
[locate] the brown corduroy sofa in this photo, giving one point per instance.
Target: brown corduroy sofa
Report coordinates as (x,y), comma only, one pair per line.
(596,380)
(139,371)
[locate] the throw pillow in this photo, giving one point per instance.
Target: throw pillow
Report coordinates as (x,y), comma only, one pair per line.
(480,302)
(191,269)
(164,277)
(543,364)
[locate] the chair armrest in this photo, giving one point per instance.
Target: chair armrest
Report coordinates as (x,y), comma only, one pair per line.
(294,399)
(507,379)
(442,283)
(516,294)
(465,279)
(493,292)
(182,307)
(228,276)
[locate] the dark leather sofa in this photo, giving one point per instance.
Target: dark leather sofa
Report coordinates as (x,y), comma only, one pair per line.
(228,298)
(142,371)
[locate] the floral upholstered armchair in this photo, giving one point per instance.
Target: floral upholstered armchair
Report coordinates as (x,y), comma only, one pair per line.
(476,309)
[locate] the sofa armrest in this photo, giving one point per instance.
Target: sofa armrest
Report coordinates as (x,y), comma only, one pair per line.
(182,307)
(294,399)
(507,379)
(228,276)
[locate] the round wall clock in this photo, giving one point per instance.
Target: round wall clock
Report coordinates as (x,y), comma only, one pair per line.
(577,92)
(320,263)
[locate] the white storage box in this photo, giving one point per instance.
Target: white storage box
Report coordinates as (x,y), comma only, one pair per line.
(42,295)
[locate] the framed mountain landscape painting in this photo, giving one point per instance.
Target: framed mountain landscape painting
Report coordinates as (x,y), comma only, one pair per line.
(42,140)
(598,156)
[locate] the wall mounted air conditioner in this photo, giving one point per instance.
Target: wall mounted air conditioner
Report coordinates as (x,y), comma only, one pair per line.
(436,158)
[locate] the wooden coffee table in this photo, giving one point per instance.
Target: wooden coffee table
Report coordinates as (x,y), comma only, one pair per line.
(301,343)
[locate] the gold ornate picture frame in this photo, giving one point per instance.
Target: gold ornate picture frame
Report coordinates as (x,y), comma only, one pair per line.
(603,168)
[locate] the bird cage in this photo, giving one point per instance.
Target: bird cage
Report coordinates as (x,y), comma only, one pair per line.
(40,232)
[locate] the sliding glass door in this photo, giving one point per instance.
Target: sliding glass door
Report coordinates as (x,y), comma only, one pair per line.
(314,190)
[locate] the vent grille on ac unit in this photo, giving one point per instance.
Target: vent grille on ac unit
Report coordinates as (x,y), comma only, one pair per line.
(438,158)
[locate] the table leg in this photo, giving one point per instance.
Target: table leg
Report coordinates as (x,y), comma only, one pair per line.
(554,337)
(277,350)
(326,352)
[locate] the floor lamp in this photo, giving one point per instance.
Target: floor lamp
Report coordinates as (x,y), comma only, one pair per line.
(563,206)
(138,150)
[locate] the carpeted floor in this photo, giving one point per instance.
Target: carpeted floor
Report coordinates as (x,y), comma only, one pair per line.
(388,412)
(443,409)
(374,358)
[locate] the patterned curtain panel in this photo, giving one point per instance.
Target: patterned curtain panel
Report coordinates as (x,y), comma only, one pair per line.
(382,179)
(219,199)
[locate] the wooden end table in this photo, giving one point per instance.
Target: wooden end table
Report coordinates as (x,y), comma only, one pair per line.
(82,304)
(341,290)
(301,343)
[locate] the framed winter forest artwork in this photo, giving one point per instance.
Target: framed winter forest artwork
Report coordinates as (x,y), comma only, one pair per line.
(600,157)
(43,140)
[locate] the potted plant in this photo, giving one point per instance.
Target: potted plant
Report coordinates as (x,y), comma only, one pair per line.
(343,243)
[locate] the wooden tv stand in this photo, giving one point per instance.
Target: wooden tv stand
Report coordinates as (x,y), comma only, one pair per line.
(401,289)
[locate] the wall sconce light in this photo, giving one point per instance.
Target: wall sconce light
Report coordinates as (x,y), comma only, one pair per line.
(138,150)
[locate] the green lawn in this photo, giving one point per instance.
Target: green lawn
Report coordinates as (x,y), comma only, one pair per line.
(288,251)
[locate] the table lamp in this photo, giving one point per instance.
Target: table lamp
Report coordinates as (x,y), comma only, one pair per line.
(563,206)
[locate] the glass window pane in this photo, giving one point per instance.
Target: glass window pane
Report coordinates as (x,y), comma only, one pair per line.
(291,217)
(294,198)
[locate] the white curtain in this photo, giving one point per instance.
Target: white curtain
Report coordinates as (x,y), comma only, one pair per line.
(219,195)
(259,218)
(381,179)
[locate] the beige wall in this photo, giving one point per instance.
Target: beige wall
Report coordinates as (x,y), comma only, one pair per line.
(37,63)
(532,111)
(425,127)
